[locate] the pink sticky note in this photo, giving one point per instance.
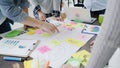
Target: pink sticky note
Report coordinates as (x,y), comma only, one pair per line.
(43,49)
(82,37)
(38,31)
(72,22)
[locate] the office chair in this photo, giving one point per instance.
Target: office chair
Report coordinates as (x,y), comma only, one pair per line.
(79,3)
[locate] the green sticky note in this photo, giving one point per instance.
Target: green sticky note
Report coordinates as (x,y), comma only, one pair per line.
(45,34)
(13,33)
(74,62)
(77,20)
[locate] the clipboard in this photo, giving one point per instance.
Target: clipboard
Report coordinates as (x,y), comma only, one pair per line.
(17,47)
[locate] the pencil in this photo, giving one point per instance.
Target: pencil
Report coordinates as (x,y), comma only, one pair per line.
(47,64)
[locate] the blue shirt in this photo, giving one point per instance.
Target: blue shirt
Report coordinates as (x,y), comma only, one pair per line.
(12,9)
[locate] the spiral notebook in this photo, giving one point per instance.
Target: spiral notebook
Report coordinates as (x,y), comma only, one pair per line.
(17,47)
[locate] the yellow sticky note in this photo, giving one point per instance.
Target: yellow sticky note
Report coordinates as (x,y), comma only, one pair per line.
(80,25)
(45,34)
(71,25)
(37,63)
(55,42)
(28,64)
(83,55)
(30,31)
(74,42)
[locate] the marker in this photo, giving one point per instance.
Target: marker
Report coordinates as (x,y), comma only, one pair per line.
(47,64)
(7,58)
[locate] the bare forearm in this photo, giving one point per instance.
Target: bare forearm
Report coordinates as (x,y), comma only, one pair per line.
(32,22)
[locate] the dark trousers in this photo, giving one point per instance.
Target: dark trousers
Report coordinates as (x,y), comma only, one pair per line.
(5,26)
(95,14)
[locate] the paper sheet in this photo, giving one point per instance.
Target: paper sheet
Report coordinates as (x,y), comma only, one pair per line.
(60,51)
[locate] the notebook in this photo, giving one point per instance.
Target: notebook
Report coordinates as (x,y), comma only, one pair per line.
(17,47)
(82,14)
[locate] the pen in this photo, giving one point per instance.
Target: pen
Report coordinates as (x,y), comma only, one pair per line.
(47,64)
(8,58)
(47,21)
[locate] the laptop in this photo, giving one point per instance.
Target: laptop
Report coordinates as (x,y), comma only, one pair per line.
(79,13)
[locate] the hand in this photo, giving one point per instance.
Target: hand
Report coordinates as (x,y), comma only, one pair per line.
(42,16)
(50,28)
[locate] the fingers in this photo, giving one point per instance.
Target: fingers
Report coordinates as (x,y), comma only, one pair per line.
(43,18)
(50,28)
(54,29)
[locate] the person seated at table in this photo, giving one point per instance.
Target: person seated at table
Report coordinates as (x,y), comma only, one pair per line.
(46,8)
(16,11)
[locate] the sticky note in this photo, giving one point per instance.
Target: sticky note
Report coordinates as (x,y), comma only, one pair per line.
(74,42)
(43,49)
(77,20)
(39,31)
(83,55)
(30,31)
(72,22)
(71,25)
(80,25)
(82,37)
(13,33)
(55,42)
(74,62)
(28,64)
(37,63)
(45,34)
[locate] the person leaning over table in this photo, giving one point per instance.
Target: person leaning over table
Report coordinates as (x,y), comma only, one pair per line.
(96,7)
(16,10)
(46,8)
(108,40)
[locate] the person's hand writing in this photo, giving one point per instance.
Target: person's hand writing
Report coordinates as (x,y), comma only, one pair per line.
(50,28)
